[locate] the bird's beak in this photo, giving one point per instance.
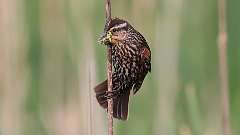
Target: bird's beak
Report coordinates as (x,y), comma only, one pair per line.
(102,38)
(105,38)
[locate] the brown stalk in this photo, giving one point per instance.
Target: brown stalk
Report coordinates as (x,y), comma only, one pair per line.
(109,70)
(90,102)
(222,48)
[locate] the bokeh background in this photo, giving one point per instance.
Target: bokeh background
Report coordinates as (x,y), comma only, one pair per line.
(50,61)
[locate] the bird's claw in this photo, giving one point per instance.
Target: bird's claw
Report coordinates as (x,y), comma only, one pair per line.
(112,94)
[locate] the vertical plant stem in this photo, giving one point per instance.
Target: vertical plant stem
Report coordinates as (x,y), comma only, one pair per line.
(109,70)
(222,47)
(90,101)
(108,10)
(110,101)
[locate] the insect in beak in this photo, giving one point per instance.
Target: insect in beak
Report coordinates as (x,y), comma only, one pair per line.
(106,38)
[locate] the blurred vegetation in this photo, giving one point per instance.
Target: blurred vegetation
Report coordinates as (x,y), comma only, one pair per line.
(50,62)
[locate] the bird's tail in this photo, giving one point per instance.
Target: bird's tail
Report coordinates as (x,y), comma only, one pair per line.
(120,102)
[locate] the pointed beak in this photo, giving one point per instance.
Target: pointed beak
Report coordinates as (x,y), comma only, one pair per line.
(105,38)
(102,38)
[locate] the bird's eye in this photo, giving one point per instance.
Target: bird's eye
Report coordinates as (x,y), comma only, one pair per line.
(114,30)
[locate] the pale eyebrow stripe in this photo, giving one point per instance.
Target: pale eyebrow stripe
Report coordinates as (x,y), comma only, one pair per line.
(120,26)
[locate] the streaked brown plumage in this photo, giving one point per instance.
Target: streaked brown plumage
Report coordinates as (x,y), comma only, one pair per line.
(131,57)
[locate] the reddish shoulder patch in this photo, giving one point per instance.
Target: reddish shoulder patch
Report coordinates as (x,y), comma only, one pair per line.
(146,53)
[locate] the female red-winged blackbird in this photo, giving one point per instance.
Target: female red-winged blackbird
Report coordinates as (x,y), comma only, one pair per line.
(131,57)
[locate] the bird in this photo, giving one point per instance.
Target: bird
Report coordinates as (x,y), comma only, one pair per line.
(131,58)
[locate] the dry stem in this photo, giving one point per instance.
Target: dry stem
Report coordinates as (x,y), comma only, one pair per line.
(109,69)
(222,47)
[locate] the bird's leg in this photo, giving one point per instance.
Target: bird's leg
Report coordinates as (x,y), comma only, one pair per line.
(112,94)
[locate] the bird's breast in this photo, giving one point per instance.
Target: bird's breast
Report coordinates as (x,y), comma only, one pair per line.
(126,60)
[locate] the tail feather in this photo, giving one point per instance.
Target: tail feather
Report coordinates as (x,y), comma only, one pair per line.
(120,102)
(120,106)
(101,88)
(100,91)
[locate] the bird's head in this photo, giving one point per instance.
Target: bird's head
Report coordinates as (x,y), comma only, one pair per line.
(116,30)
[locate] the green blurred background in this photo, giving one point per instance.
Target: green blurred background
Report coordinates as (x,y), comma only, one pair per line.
(50,61)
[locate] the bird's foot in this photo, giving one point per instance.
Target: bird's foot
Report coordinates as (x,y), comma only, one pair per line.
(112,94)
